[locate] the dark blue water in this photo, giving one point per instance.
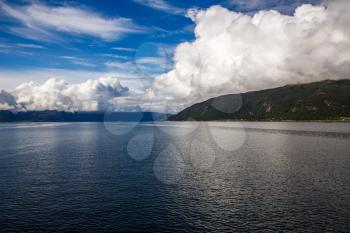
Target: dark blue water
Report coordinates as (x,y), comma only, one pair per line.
(167,177)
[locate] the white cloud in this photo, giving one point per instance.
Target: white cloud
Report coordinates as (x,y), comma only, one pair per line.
(151,60)
(5,46)
(162,5)
(7,101)
(40,22)
(92,95)
(125,66)
(141,66)
(152,66)
(16,49)
(21,45)
(235,52)
(114,56)
(78,61)
(11,78)
(159,62)
(232,53)
(30,46)
(80,94)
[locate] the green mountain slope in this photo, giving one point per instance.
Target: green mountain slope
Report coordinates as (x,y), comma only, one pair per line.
(325,100)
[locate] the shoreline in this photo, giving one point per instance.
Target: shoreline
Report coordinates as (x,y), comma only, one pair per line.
(325,121)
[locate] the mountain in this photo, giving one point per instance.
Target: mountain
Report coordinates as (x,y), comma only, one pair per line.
(59,116)
(325,100)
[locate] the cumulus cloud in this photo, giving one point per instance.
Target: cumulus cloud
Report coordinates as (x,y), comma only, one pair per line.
(7,101)
(92,95)
(235,52)
(41,21)
(232,53)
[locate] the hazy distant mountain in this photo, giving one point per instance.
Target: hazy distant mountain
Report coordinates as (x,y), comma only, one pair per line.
(325,100)
(58,116)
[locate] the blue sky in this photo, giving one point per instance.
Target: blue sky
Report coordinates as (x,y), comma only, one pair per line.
(77,39)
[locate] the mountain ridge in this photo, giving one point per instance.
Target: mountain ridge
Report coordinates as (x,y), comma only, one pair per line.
(323,100)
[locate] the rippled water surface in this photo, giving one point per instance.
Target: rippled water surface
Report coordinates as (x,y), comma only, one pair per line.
(175,177)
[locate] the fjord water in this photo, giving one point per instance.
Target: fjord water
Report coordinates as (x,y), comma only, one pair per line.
(183,177)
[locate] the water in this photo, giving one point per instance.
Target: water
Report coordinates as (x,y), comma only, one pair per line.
(184,177)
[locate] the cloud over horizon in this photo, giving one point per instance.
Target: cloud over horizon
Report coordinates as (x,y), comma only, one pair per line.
(232,52)
(235,52)
(92,95)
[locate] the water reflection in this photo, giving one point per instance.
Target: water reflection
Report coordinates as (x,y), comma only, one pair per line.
(69,177)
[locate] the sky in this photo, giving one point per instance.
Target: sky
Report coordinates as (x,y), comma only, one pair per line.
(162,54)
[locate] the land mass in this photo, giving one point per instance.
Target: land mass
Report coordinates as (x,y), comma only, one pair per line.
(325,100)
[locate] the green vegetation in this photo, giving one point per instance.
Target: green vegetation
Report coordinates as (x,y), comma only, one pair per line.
(325,100)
